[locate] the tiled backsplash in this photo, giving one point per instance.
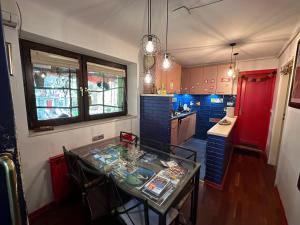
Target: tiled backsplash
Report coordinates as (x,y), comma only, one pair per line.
(209,109)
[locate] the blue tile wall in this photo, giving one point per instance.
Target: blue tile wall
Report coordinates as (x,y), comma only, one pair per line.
(155,115)
(218,154)
(206,110)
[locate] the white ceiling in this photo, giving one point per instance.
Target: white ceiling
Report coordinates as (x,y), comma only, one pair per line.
(260,27)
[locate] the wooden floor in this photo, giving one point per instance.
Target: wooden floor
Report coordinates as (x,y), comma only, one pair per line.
(247,199)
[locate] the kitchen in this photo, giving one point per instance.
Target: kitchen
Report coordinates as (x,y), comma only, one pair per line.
(206,84)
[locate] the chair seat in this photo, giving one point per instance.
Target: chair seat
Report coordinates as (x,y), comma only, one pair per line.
(137,214)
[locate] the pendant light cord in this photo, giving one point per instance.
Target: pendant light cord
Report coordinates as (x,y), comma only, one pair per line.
(231,55)
(149,17)
(167,26)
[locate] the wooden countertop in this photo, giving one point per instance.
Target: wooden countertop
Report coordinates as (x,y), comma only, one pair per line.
(222,130)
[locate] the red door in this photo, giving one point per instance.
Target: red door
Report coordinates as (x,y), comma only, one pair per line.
(254,102)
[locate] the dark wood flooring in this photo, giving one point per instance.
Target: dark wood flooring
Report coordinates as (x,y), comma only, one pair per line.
(248,198)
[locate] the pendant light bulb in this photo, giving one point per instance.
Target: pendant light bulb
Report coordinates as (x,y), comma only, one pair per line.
(148,77)
(230,72)
(166,62)
(150,43)
(149,46)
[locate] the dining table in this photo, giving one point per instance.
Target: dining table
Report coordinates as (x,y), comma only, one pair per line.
(108,156)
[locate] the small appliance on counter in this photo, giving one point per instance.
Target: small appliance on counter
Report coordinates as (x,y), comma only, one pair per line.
(230,112)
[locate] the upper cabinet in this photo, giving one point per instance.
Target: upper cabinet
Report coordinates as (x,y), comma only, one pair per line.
(224,83)
(196,80)
(210,74)
(173,79)
(185,81)
(207,80)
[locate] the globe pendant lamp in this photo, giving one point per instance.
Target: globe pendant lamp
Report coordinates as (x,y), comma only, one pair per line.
(230,71)
(167,59)
(150,42)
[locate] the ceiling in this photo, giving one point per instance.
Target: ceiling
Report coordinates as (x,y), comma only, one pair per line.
(260,27)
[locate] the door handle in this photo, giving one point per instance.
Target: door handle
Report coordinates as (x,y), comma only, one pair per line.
(11,183)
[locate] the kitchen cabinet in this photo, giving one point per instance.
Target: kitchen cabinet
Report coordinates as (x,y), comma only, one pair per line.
(186,128)
(174,132)
(224,83)
(208,80)
(191,130)
(185,81)
(173,79)
(196,80)
(169,80)
(183,126)
(210,74)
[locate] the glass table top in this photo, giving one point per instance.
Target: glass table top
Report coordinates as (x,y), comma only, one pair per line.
(141,170)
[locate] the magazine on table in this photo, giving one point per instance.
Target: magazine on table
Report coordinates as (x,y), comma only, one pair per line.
(164,196)
(156,185)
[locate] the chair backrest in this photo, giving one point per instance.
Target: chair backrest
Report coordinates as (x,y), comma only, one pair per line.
(141,201)
(152,143)
(182,152)
(129,137)
(74,171)
(97,192)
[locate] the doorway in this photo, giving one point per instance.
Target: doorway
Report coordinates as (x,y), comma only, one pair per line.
(254,103)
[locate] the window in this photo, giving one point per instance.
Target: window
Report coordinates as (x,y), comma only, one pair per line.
(64,87)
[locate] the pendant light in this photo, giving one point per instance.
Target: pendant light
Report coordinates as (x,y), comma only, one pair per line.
(148,77)
(167,59)
(150,42)
(230,71)
(236,70)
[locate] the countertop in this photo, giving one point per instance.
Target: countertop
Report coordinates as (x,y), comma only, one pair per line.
(182,115)
(222,130)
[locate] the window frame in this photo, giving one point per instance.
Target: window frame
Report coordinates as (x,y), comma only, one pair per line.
(82,78)
(86,59)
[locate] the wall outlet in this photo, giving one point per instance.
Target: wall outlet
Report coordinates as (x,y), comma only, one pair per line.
(98,137)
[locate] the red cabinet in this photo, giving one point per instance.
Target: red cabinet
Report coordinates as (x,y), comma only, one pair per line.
(59,177)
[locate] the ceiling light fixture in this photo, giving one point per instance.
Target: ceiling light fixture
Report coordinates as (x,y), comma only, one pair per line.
(150,42)
(167,60)
(230,71)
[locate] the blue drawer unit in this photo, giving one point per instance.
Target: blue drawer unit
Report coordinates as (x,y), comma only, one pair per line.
(218,153)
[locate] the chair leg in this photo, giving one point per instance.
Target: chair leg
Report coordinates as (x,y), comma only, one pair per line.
(177,222)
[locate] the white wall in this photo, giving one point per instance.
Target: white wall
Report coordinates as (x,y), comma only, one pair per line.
(289,158)
(258,64)
(47,27)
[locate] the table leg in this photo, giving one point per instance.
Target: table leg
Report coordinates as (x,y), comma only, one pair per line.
(162,219)
(194,200)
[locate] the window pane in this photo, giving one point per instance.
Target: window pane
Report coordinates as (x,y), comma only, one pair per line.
(95,98)
(108,109)
(53,113)
(94,110)
(106,89)
(55,85)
